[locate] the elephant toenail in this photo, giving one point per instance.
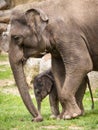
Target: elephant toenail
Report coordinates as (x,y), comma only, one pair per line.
(75,115)
(67,117)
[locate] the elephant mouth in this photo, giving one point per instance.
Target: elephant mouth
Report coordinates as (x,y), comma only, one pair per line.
(43,53)
(39,99)
(39,55)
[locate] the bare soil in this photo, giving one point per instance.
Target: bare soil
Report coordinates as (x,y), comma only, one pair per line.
(51,127)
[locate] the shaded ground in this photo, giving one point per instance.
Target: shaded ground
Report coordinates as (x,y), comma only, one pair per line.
(10,90)
(51,127)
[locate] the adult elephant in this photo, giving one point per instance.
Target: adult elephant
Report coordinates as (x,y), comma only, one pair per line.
(68,30)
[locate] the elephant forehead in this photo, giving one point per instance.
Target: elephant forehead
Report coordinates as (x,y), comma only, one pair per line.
(18,22)
(18,28)
(37,84)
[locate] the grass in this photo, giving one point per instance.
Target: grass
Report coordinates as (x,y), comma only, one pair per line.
(5,72)
(3,57)
(14,115)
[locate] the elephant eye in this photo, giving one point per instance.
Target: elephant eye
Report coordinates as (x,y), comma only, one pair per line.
(15,37)
(18,39)
(37,91)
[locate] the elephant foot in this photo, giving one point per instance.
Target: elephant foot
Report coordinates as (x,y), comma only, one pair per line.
(70,110)
(68,115)
(61,115)
(54,116)
(37,119)
(82,112)
(71,113)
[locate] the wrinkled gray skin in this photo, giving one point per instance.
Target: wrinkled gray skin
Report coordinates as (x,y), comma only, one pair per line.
(68,29)
(44,84)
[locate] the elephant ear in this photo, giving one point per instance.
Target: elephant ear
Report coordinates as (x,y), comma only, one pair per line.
(37,20)
(49,82)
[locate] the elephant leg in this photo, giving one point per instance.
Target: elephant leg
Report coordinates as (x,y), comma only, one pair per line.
(71,85)
(68,97)
(59,73)
(77,63)
(80,94)
(59,76)
(54,102)
(69,70)
(65,89)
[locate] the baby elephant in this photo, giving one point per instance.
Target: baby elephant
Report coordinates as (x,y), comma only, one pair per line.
(44,84)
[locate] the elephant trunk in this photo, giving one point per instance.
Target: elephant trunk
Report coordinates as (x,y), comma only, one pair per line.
(39,105)
(20,79)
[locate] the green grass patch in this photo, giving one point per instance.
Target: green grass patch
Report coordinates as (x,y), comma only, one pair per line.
(5,72)
(3,57)
(14,116)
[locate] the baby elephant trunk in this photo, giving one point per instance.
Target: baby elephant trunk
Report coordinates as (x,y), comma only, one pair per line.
(38,104)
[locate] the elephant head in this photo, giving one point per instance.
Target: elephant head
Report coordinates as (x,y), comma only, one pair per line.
(26,41)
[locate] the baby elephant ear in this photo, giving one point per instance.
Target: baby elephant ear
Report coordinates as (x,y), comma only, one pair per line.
(48,82)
